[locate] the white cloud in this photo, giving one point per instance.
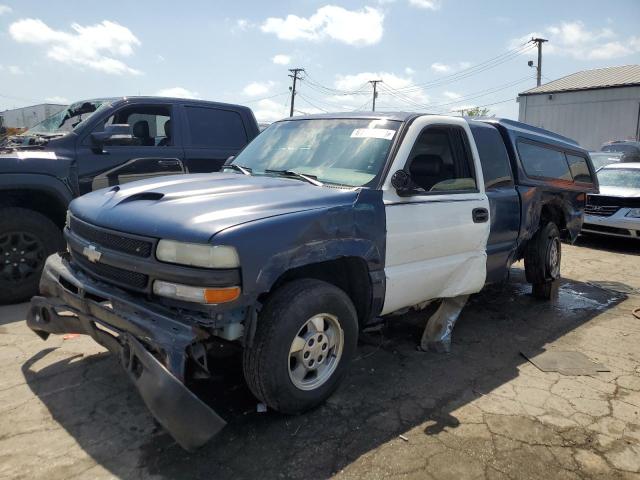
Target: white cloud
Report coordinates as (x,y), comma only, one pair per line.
(353,27)
(93,46)
(359,81)
(254,89)
(5,9)
(159,58)
(15,70)
(452,95)
(409,71)
(440,67)
(575,40)
(426,4)
(269,111)
(58,100)
(281,59)
(177,92)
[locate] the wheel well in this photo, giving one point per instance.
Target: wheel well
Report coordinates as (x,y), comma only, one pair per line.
(350,274)
(37,200)
(553,213)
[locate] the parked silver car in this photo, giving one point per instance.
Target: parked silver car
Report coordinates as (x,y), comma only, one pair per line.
(616,209)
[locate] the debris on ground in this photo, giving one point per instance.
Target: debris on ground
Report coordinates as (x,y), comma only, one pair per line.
(566,363)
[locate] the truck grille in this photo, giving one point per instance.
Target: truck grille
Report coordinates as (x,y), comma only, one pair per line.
(601,210)
(110,240)
(117,276)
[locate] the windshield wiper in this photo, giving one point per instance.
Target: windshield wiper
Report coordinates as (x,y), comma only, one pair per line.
(239,168)
(312,179)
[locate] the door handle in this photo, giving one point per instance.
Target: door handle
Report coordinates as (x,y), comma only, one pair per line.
(169,163)
(480,215)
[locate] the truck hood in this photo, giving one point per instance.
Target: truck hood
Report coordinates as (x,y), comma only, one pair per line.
(46,162)
(193,208)
(624,192)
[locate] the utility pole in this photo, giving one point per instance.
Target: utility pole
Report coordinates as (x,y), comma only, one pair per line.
(295,77)
(539,42)
(375,92)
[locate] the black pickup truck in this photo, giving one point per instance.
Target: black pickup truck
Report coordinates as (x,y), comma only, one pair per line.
(320,225)
(95,144)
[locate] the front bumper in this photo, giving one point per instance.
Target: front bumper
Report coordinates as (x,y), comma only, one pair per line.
(617,225)
(151,346)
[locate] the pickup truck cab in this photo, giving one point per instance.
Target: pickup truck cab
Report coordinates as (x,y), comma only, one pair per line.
(319,226)
(94,144)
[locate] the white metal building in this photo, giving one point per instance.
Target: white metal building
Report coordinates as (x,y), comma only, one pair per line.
(591,107)
(27,117)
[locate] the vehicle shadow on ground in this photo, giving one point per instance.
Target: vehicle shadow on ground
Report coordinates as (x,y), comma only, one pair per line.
(628,246)
(391,388)
(12,313)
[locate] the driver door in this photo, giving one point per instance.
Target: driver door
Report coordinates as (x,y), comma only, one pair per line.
(437,231)
(155,149)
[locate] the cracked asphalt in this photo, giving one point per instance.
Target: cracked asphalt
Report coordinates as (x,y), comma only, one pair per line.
(483,411)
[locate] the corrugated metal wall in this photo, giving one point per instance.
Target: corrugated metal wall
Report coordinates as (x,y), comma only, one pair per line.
(27,117)
(591,117)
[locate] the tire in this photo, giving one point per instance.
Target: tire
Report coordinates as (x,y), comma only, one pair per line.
(27,238)
(272,370)
(542,260)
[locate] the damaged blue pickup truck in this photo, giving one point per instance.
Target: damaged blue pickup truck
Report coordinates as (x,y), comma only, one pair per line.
(319,226)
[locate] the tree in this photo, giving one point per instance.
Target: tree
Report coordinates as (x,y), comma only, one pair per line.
(477,112)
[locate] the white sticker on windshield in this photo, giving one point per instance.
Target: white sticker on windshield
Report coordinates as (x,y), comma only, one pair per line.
(384,133)
(36,154)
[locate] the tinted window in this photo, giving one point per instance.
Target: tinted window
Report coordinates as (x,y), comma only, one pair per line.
(541,161)
(579,168)
(210,127)
(493,156)
(440,161)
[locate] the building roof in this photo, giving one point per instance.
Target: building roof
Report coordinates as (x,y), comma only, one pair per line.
(624,76)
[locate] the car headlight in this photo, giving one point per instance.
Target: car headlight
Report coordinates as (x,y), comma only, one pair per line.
(197,254)
(634,212)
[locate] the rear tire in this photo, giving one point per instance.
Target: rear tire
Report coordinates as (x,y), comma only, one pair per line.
(305,339)
(27,238)
(542,261)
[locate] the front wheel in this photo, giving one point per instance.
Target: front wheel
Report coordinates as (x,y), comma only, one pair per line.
(542,260)
(27,238)
(305,338)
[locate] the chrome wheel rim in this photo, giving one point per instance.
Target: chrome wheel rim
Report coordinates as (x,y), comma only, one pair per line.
(554,258)
(315,351)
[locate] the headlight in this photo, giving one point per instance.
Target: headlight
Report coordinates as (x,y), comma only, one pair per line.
(188,293)
(634,212)
(197,254)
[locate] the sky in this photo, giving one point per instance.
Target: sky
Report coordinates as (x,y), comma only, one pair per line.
(437,56)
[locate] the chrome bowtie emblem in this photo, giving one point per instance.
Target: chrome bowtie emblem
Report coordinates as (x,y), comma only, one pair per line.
(92,253)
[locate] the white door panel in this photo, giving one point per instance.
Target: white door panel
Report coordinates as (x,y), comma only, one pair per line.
(434,248)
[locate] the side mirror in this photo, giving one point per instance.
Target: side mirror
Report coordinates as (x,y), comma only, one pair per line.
(401,181)
(116,134)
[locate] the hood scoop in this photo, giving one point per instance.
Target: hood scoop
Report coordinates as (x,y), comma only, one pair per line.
(152,196)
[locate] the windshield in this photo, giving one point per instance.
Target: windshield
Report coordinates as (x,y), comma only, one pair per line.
(68,119)
(619,177)
(348,152)
(600,159)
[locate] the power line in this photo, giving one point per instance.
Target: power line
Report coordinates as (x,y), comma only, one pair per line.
(266,98)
